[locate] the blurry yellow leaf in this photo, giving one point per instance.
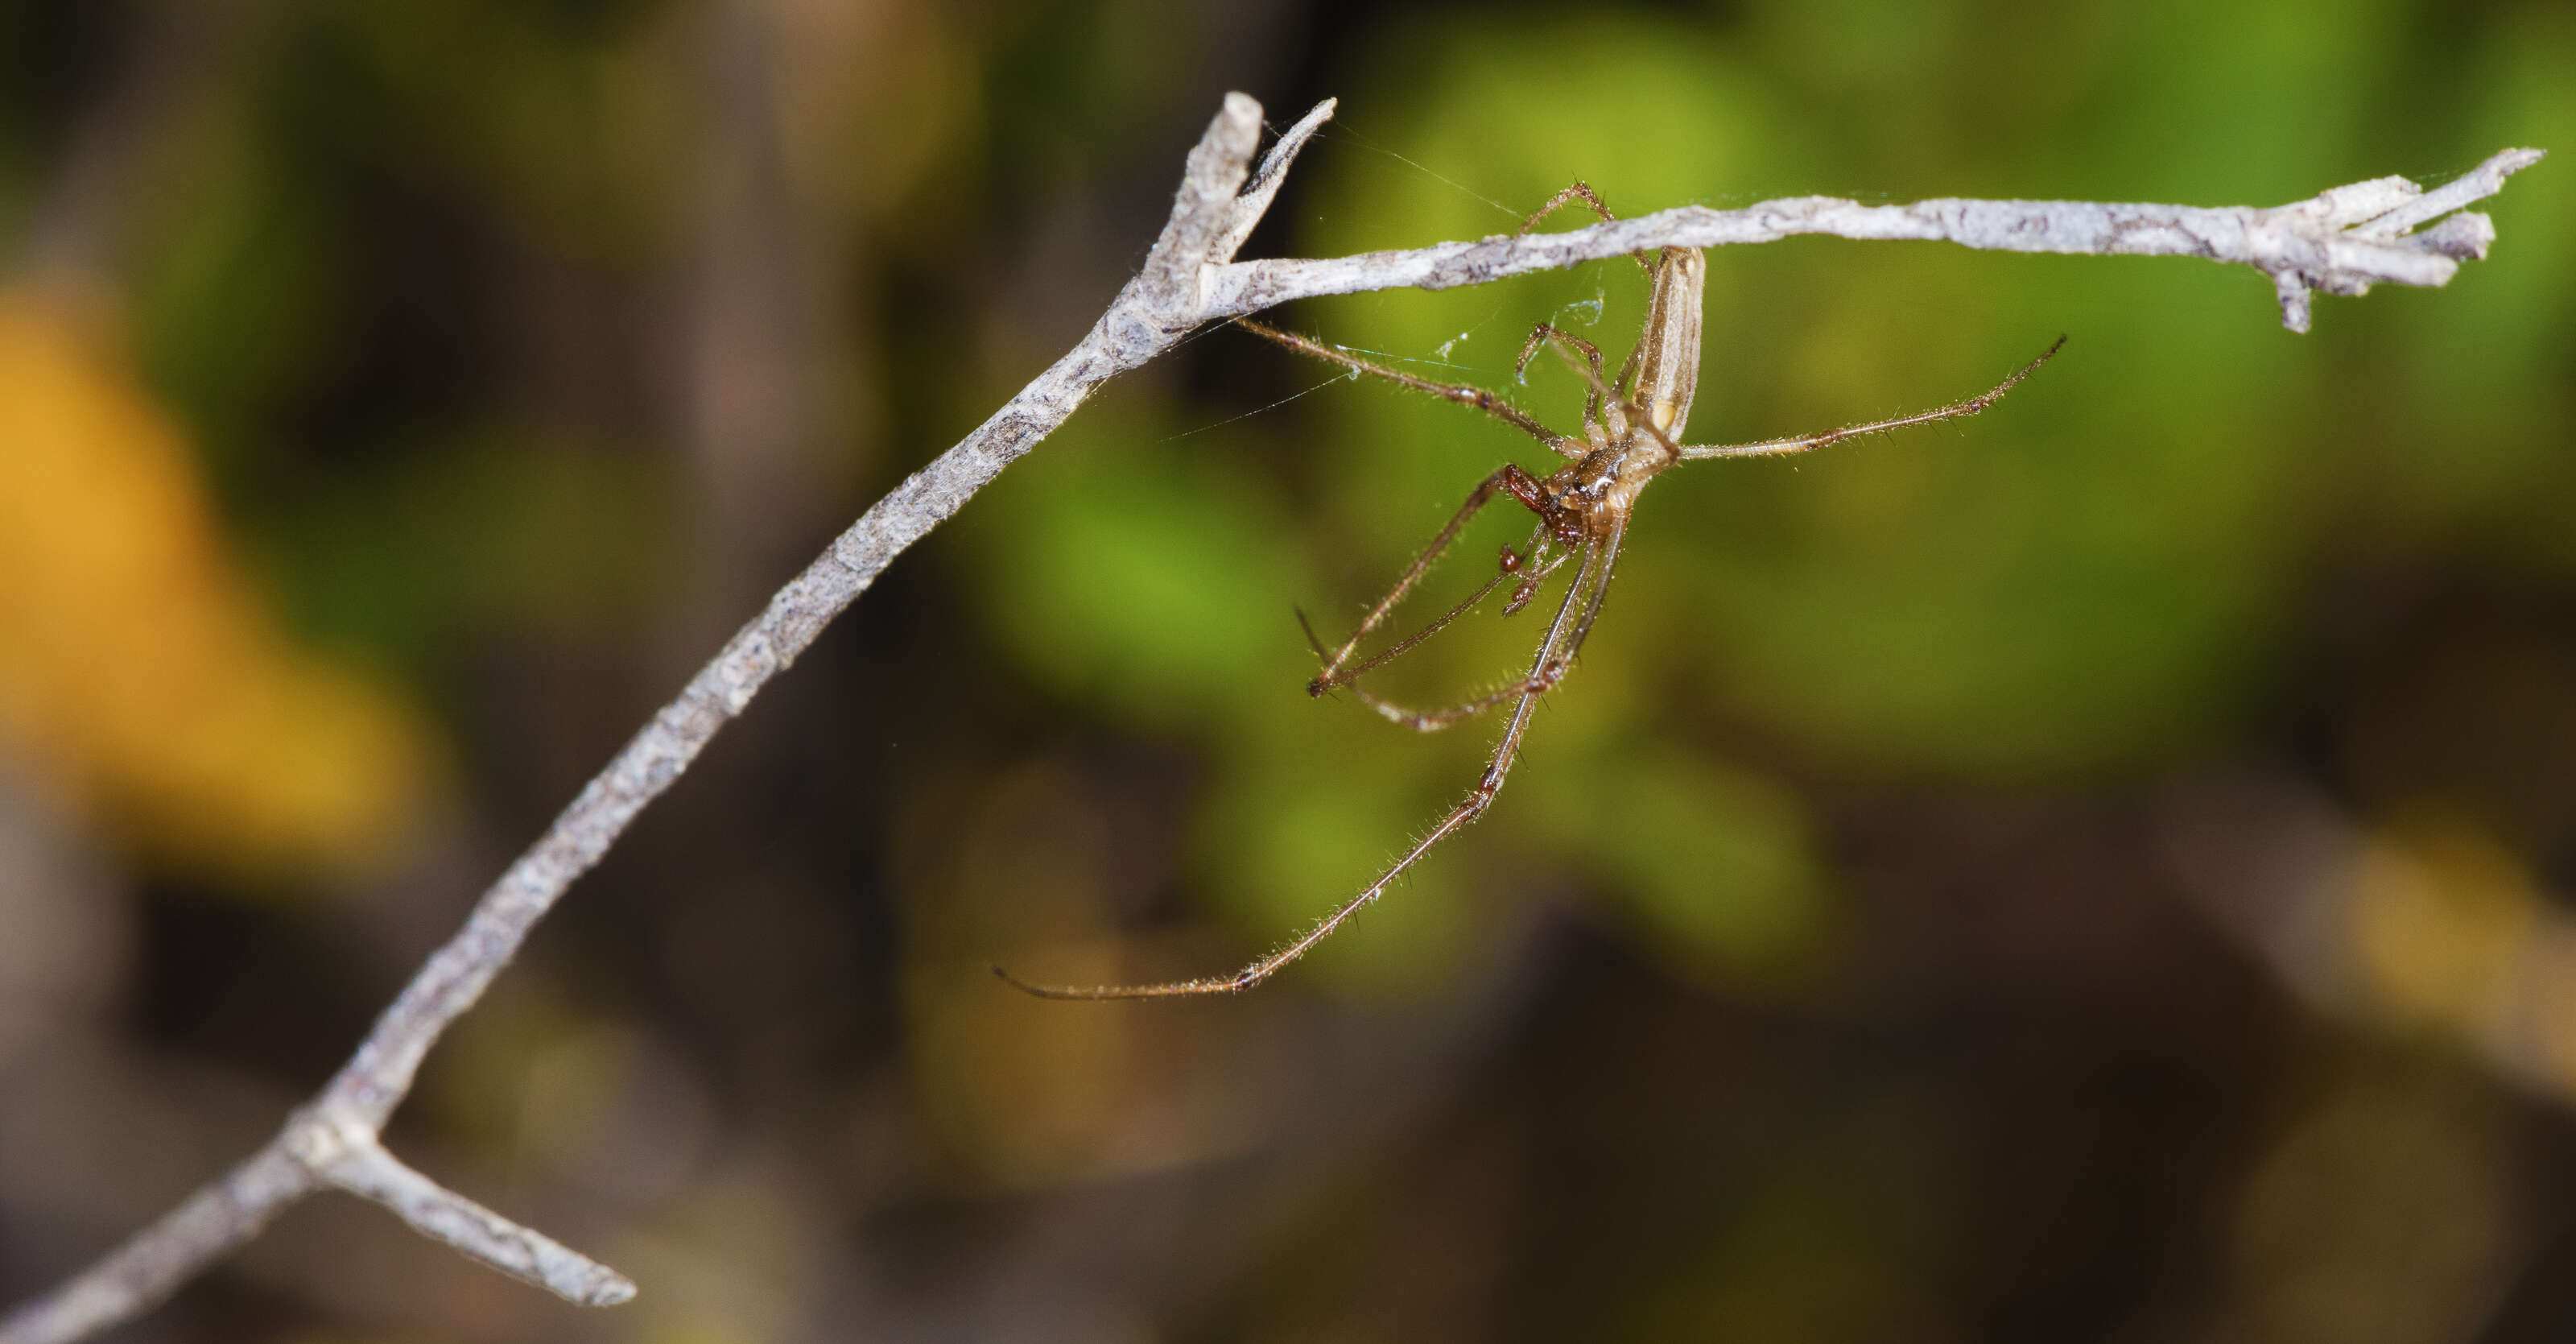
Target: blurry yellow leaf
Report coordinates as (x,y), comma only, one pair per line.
(139,671)
(2446,920)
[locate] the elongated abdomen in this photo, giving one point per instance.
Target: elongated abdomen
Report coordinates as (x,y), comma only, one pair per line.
(1668,350)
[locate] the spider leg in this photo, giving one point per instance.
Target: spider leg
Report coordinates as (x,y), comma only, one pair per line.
(1345,675)
(1628,370)
(1463,394)
(1546,332)
(1591,588)
(1591,585)
(1539,565)
(1510,479)
(1612,395)
(1565,635)
(1807,442)
(1581,190)
(1432,721)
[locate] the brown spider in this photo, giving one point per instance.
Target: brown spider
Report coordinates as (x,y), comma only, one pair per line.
(1632,429)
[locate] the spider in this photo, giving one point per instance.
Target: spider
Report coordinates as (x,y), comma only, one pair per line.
(1632,432)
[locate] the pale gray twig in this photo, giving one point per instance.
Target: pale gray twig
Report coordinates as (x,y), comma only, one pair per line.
(333,1140)
(2341,241)
(350,1157)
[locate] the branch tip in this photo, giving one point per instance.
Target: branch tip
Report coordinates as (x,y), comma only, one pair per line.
(1202,209)
(368,1171)
(1250,206)
(2474,185)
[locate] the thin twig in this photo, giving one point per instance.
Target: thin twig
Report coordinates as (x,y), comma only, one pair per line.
(352,1159)
(333,1140)
(2341,241)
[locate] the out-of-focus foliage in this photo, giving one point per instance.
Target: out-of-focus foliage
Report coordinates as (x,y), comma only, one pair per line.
(2449,926)
(2086,585)
(139,666)
(2048,590)
(1823,971)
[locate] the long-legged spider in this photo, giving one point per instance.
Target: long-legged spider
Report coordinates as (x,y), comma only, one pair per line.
(1632,429)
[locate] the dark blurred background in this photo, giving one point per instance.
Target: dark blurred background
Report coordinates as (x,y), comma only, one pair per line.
(2096,871)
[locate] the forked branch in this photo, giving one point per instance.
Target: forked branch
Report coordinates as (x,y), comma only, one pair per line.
(2341,241)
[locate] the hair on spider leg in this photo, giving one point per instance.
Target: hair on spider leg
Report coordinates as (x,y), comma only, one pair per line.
(1632,432)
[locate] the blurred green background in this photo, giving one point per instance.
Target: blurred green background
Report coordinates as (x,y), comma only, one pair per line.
(2099,870)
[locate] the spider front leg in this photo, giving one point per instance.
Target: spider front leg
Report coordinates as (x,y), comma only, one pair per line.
(1537,563)
(1433,720)
(1531,568)
(1545,333)
(1565,635)
(1521,486)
